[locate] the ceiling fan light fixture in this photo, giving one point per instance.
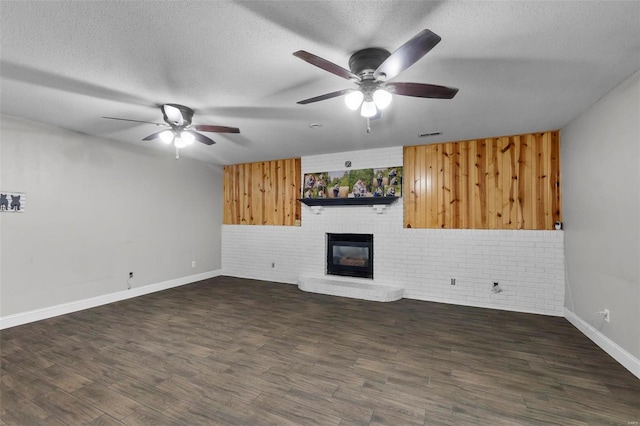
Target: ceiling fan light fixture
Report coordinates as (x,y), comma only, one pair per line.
(354,100)
(382,98)
(368,109)
(166,137)
(184,139)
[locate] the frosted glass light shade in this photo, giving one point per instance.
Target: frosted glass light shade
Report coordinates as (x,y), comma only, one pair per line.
(382,98)
(188,138)
(166,136)
(180,142)
(368,109)
(354,99)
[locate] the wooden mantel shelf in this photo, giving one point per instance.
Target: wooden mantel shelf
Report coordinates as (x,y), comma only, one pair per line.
(360,201)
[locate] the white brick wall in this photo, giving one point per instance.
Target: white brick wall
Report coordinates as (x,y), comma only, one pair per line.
(529,265)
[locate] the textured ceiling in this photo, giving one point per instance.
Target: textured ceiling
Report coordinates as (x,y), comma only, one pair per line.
(520,67)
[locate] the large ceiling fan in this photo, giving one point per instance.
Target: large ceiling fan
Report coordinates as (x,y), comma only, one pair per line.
(372,68)
(181,133)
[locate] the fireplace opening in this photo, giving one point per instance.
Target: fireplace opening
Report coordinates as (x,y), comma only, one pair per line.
(350,255)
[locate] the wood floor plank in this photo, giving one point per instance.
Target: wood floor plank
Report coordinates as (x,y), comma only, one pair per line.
(105,420)
(295,412)
(232,351)
(107,400)
(16,410)
(345,410)
(145,416)
(67,408)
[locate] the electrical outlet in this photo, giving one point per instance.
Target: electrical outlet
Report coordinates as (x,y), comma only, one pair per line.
(130,274)
(453,281)
(193,263)
(607,318)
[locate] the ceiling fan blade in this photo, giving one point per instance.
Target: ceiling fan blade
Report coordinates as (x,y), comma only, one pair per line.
(200,137)
(135,121)
(325,96)
(407,54)
(325,65)
(216,129)
(153,135)
(421,90)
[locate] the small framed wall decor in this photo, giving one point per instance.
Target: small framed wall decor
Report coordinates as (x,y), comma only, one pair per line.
(12,202)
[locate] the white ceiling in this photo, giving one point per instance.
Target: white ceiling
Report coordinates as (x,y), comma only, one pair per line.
(520,67)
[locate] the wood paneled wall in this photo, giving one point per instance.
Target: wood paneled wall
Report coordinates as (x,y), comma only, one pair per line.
(264,193)
(510,182)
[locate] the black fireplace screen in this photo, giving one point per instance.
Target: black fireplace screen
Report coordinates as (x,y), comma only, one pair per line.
(350,255)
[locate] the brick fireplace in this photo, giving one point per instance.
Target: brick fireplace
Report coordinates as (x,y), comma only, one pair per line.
(529,265)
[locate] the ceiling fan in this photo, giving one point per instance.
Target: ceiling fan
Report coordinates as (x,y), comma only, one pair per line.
(181,132)
(372,68)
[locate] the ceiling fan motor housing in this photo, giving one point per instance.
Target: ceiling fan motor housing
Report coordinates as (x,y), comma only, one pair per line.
(364,62)
(186,112)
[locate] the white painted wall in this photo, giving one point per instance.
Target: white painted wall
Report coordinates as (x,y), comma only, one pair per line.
(528,264)
(98,209)
(601,199)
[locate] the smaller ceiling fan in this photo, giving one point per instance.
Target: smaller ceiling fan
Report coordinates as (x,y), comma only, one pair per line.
(372,68)
(181,132)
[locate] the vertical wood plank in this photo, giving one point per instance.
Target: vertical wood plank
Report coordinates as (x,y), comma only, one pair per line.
(548,181)
(474,199)
(433,193)
(295,191)
(429,211)
(409,153)
(440,167)
(504,147)
(556,205)
(464,202)
(455,186)
(494,184)
(279,218)
(519,186)
(286,180)
(237,195)
(539,181)
(481,165)
(508,173)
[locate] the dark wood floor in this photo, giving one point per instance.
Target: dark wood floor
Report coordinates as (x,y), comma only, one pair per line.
(232,351)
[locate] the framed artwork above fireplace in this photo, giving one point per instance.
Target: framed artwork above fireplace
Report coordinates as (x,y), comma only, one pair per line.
(376,183)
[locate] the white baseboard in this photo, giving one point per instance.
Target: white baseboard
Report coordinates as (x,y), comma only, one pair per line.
(627,360)
(409,294)
(79,305)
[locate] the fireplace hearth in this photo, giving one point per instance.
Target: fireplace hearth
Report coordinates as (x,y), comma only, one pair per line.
(350,255)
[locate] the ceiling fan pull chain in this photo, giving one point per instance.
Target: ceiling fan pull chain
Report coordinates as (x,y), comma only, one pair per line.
(177,153)
(368,125)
